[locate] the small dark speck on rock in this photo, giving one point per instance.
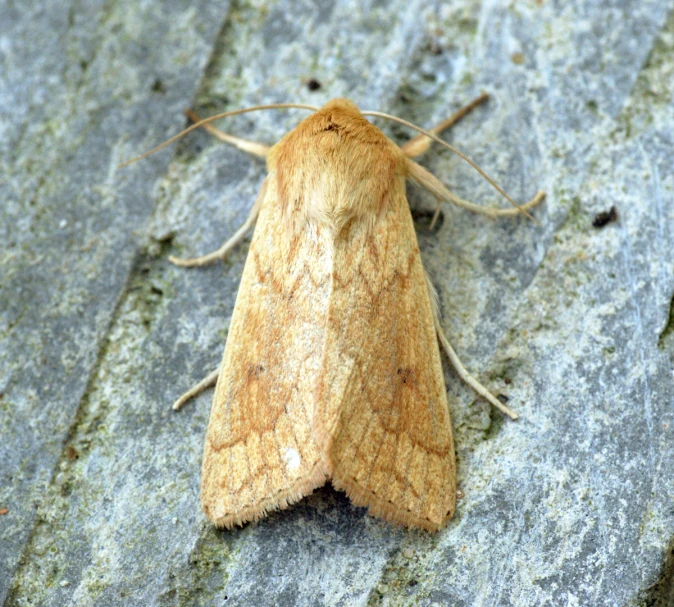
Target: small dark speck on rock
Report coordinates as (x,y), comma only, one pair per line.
(313,84)
(605,217)
(71,453)
(158,86)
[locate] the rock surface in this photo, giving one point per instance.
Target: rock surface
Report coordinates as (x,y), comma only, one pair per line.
(570,505)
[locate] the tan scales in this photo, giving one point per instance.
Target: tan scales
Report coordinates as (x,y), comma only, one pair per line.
(332,368)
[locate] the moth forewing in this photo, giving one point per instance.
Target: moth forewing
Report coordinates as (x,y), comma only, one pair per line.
(381,413)
(260,453)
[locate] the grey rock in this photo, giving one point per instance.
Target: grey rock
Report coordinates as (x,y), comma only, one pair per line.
(573,504)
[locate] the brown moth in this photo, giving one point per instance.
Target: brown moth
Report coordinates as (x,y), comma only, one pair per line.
(332,370)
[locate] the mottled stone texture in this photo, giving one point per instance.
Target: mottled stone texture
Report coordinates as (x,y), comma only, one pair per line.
(571,505)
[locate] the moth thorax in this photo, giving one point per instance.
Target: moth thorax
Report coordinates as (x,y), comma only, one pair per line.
(334,168)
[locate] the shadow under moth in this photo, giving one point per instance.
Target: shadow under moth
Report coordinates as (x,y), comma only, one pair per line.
(332,369)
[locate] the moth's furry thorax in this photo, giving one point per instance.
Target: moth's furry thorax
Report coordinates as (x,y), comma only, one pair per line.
(335,167)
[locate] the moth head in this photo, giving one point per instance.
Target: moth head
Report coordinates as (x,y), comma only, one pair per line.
(341,104)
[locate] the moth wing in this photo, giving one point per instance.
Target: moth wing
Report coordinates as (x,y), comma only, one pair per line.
(259,453)
(382,414)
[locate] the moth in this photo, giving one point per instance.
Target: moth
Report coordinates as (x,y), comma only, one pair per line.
(332,368)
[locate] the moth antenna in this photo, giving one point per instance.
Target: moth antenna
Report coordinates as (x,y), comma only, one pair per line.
(457,152)
(196,125)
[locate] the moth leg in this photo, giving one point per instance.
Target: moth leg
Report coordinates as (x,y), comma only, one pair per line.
(426,179)
(435,215)
(469,379)
(456,363)
(238,236)
(197,389)
(252,147)
(419,144)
